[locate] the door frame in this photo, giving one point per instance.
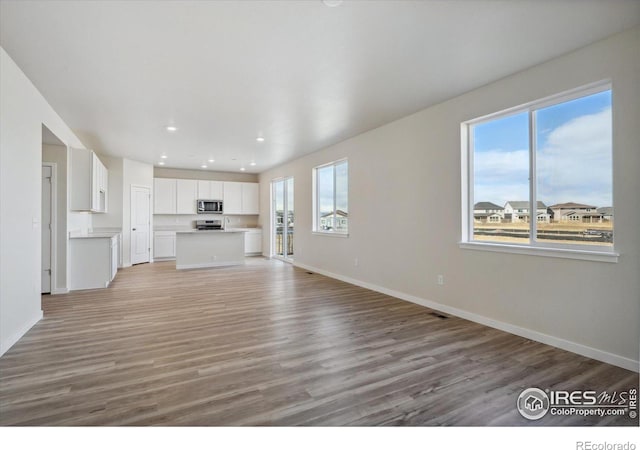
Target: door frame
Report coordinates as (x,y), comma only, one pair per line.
(53,289)
(131,203)
(272,216)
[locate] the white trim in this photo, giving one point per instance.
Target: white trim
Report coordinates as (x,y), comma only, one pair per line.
(574,347)
(205,265)
(568,253)
(15,337)
(330,233)
(53,288)
(60,291)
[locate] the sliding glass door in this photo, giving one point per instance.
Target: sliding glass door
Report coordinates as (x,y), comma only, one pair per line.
(282,218)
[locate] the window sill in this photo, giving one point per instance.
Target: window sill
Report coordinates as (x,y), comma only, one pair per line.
(328,233)
(585,255)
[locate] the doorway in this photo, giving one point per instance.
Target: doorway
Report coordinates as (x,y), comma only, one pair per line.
(140,224)
(282,216)
(48,228)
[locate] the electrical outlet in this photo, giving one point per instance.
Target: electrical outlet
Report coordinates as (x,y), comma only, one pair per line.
(440,280)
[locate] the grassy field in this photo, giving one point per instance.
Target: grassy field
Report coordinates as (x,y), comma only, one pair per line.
(576,232)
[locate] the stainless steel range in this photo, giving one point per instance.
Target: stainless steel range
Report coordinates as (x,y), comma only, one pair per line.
(215,224)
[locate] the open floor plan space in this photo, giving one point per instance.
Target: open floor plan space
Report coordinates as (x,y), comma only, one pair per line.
(268,343)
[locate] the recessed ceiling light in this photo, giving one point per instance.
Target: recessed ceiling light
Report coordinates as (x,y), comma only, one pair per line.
(212,160)
(204,166)
(252,163)
(242,169)
(164,157)
(332,3)
(260,139)
(161,163)
(171,128)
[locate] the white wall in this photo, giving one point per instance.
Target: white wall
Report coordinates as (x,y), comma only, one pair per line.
(405,216)
(58,154)
(139,174)
(23,111)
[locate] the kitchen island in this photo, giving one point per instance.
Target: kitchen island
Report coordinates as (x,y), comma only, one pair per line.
(209,248)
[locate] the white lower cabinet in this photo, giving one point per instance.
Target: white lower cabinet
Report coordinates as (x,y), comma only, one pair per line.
(93,261)
(164,245)
(253,242)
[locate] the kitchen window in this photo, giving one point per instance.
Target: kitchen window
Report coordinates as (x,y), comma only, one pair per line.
(548,165)
(331,198)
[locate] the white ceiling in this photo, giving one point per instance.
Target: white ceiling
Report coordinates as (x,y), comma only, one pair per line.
(300,74)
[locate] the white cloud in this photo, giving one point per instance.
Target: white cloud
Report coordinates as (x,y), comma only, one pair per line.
(575,164)
(501,175)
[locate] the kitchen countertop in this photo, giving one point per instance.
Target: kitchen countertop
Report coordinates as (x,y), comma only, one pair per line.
(233,230)
(97,235)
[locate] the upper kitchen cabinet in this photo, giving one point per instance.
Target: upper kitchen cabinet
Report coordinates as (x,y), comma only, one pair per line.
(241,198)
(164,196)
(250,198)
(186,194)
(210,190)
(89,181)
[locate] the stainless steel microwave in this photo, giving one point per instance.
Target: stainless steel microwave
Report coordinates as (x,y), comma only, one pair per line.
(209,206)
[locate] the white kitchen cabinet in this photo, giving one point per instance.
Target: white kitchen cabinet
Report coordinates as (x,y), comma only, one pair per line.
(88,181)
(241,198)
(232,198)
(250,198)
(164,196)
(210,190)
(253,242)
(186,196)
(93,261)
(164,244)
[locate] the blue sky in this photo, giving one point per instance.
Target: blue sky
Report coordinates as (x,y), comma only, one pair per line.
(325,182)
(573,154)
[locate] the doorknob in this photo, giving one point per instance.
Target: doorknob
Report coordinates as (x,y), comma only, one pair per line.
(133,229)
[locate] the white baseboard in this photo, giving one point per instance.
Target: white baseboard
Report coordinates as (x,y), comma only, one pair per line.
(60,291)
(574,347)
(205,265)
(8,343)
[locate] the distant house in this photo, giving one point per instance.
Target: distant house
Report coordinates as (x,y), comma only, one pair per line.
(487,212)
(575,212)
(339,222)
(606,212)
(519,211)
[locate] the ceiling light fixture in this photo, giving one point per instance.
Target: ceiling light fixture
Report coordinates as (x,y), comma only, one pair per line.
(242,169)
(204,166)
(164,157)
(260,139)
(161,163)
(212,160)
(252,163)
(332,3)
(171,128)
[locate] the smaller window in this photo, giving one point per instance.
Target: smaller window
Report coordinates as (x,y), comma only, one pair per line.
(331,198)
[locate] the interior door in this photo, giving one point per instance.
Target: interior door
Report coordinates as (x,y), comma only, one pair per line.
(140,225)
(46,229)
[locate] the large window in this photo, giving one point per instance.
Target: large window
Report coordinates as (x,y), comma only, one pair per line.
(540,175)
(331,198)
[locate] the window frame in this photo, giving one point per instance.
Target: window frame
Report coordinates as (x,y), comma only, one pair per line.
(533,247)
(316,229)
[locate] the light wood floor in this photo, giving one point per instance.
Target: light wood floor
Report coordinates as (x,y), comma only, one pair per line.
(270,344)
